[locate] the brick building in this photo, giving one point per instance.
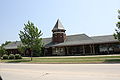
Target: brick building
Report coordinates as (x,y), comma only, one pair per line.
(80,44)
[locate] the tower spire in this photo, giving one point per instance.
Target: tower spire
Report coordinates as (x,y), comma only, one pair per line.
(58,26)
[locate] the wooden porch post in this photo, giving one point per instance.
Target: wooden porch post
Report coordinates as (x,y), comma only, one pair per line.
(66,50)
(83,49)
(93,49)
(108,48)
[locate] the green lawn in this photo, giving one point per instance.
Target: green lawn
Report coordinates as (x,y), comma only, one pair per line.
(95,59)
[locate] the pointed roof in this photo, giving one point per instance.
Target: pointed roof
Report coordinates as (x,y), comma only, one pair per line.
(58,26)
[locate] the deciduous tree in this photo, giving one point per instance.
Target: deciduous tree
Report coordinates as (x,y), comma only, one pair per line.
(31,39)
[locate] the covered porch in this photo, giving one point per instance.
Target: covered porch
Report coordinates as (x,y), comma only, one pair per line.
(86,49)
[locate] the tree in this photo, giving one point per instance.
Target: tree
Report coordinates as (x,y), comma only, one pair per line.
(21,49)
(2,50)
(4,44)
(117,34)
(30,38)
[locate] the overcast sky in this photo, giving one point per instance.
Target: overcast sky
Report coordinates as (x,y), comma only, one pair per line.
(92,17)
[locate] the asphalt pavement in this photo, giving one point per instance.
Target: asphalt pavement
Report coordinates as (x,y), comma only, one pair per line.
(16,71)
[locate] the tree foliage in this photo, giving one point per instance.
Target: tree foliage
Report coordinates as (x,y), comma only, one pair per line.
(21,49)
(30,37)
(117,34)
(2,50)
(4,44)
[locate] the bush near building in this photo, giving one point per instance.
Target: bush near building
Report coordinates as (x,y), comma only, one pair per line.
(5,56)
(18,56)
(11,56)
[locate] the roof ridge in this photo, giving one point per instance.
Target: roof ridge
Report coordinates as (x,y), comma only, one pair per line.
(101,36)
(77,34)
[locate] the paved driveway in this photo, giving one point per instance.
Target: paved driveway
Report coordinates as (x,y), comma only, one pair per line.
(60,71)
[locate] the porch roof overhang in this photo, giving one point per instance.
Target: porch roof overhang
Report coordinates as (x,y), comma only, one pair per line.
(80,43)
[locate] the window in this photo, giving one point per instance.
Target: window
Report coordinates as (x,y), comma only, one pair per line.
(73,49)
(56,50)
(103,48)
(61,49)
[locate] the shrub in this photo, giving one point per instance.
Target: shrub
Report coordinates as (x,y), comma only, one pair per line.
(11,56)
(5,56)
(2,51)
(18,56)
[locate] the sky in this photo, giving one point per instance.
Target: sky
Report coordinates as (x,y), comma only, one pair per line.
(92,17)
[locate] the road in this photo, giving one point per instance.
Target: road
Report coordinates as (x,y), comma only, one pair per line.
(15,71)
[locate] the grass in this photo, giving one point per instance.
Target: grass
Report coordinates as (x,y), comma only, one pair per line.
(95,59)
